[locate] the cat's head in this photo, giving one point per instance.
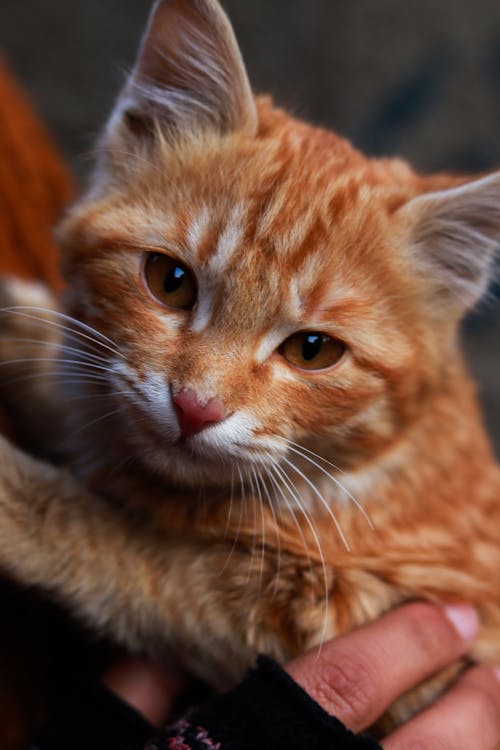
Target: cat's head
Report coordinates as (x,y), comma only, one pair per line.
(268,287)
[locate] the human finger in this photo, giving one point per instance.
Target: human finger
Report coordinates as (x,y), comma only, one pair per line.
(468,716)
(358,676)
(148,687)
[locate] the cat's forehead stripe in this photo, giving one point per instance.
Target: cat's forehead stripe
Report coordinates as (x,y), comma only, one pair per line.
(204,310)
(197,228)
(230,239)
(214,241)
(271,341)
(294,298)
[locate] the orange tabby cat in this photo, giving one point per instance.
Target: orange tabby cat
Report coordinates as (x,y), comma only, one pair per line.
(269,409)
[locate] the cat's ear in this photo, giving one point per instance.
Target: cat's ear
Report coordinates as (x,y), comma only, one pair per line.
(189,74)
(454,237)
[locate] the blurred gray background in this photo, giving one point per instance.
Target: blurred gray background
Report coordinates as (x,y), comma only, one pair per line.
(419,78)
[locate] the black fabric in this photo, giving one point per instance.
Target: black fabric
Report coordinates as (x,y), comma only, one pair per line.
(90,717)
(267,710)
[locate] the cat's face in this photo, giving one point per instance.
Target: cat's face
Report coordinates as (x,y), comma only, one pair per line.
(259,278)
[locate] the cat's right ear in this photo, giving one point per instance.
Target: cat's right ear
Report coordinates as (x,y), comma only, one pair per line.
(189,75)
(454,238)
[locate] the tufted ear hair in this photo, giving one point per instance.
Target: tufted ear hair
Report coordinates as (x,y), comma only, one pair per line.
(189,74)
(454,237)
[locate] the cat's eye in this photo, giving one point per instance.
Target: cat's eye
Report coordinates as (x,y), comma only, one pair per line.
(309,350)
(169,281)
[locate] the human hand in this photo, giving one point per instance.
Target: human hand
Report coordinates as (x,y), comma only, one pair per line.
(357,677)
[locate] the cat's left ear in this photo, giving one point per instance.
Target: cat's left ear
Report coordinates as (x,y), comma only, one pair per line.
(189,75)
(454,236)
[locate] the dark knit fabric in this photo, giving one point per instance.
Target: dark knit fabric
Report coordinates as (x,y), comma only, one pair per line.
(90,717)
(266,711)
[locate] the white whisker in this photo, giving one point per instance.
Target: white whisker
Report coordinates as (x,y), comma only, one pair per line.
(321,499)
(240,521)
(263,526)
(94,396)
(276,528)
(57,360)
(92,423)
(230,508)
(254,527)
(335,480)
(69,377)
(311,453)
(121,465)
(78,351)
(279,472)
(87,332)
(282,475)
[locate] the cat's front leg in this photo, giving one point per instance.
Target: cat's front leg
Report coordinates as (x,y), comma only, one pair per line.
(207,601)
(30,340)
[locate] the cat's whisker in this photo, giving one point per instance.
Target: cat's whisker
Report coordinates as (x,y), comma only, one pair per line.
(69,377)
(285,479)
(94,396)
(88,462)
(240,522)
(56,346)
(263,525)
(280,479)
(67,373)
(334,479)
(230,508)
(90,330)
(254,526)
(121,465)
(57,360)
(284,439)
(83,330)
(276,527)
(322,500)
(87,345)
(90,424)
(301,450)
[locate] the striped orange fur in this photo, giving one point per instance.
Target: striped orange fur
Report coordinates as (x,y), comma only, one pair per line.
(317,498)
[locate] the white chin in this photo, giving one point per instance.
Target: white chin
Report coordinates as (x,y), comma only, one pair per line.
(183,463)
(209,457)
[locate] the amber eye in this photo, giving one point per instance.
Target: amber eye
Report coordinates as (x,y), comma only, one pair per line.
(312,351)
(170,281)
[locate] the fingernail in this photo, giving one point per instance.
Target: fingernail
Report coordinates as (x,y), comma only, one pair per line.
(464,619)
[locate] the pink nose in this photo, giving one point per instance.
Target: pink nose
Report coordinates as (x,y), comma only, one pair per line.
(193,415)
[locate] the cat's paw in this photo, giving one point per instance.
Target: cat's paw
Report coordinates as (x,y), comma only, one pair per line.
(26,319)
(15,291)
(29,342)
